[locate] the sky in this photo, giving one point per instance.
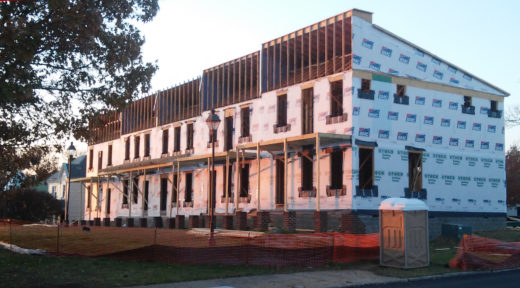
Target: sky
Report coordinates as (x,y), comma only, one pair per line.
(480,37)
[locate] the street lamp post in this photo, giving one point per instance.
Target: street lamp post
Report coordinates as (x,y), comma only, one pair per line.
(213,121)
(71,151)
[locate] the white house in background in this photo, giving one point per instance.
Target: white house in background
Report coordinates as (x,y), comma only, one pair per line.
(57,184)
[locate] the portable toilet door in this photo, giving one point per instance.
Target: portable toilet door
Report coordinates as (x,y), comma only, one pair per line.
(403,233)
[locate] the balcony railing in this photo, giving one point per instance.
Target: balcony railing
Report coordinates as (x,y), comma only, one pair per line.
(366,94)
(494,113)
(468,109)
(404,100)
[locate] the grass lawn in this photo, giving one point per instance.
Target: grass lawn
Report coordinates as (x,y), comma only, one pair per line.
(49,271)
(508,235)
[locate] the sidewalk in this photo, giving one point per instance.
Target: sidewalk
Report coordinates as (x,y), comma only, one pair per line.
(334,278)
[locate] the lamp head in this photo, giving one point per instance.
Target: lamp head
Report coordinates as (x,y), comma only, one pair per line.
(213,120)
(71,149)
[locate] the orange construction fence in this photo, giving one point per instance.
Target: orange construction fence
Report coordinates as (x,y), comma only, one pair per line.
(480,253)
(194,246)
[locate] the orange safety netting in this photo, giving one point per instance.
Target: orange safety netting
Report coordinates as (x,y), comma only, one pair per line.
(475,253)
(194,246)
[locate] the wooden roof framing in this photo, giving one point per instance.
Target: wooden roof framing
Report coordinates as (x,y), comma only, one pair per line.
(105,127)
(179,103)
(139,115)
(321,49)
(232,82)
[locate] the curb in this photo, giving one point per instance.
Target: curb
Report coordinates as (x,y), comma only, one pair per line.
(430,277)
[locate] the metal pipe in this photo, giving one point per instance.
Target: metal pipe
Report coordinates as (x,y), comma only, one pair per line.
(212,184)
(68,193)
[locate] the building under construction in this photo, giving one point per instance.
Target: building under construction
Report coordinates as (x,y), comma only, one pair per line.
(317,128)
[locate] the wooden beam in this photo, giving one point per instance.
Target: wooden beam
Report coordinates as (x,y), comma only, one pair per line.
(139,191)
(295,40)
(239,81)
(258,174)
(129,197)
(318,150)
(326,46)
(301,56)
(287,64)
(226,186)
(309,50)
(174,190)
(219,97)
(343,44)
(177,190)
(304,154)
(268,66)
(210,174)
(237,184)
(257,75)
(229,99)
(144,200)
(285,174)
(279,84)
(318,50)
(97,198)
(334,45)
(173,104)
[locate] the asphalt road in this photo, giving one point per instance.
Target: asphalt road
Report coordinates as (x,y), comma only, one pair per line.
(507,279)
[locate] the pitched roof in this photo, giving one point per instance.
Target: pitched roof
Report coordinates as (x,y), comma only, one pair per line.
(78,167)
(54,177)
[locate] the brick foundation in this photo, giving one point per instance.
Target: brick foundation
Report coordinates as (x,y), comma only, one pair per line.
(241,219)
(477,223)
(262,221)
(350,223)
(207,221)
(171,223)
(143,222)
(179,222)
(194,221)
(158,222)
(227,222)
(320,221)
(289,221)
(106,222)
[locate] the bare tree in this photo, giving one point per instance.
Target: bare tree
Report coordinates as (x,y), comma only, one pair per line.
(512,116)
